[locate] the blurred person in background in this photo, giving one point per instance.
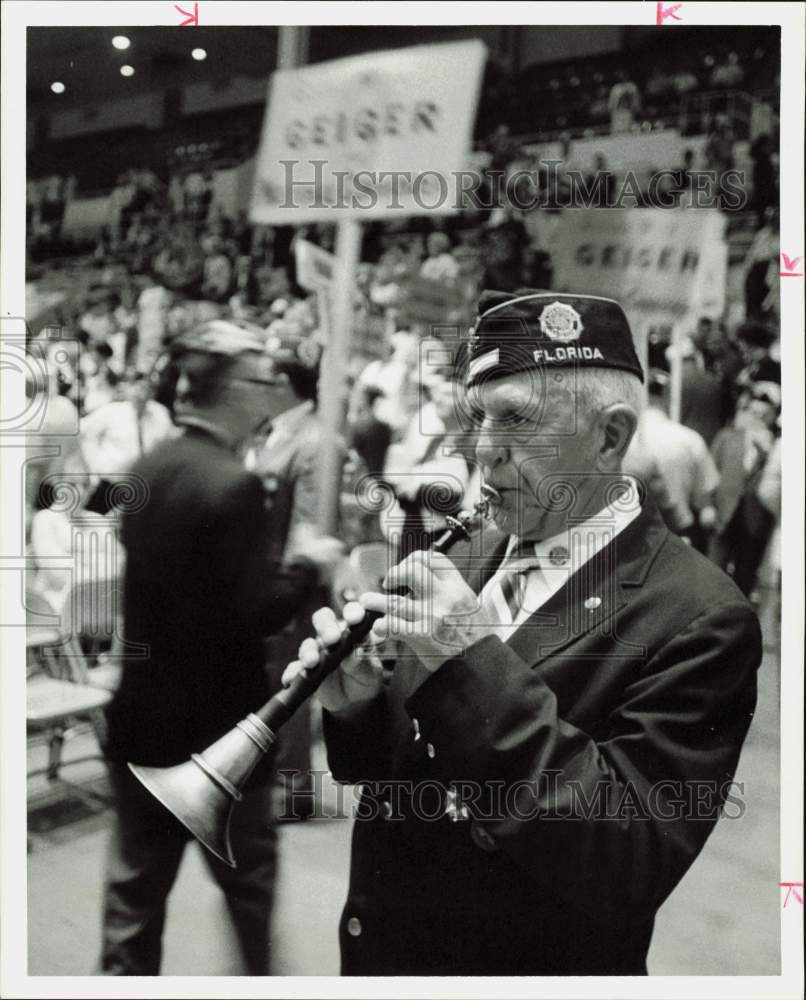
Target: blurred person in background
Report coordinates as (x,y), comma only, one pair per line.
(761,262)
(125,317)
(503,244)
(603,181)
(98,320)
(718,150)
(114,435)
(720,156)
(153,304)
(439,265)
(200,593)
(728,72)
(769,493)
(368,436)
(624,102)
(55,530)
(704,402)
(100,383)
(396,381)
(681,456)
(741,451)
(756,342)
(52,435)
(765,188)
(288,465)
(217,275)
(180,264)
(429,477)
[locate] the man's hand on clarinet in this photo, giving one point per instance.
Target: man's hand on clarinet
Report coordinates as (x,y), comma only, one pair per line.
(439,616)
(359,678)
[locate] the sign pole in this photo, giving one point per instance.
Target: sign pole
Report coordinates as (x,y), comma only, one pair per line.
(676,373)
(332,382)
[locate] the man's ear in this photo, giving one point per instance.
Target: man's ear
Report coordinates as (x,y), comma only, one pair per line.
(618,423)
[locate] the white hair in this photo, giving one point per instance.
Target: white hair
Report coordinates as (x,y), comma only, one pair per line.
(598,388)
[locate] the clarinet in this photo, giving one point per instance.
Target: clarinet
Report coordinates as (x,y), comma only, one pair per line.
(282,706)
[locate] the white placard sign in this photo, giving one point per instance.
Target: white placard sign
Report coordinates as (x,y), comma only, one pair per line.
(316,268)
(371,136)
(658,259)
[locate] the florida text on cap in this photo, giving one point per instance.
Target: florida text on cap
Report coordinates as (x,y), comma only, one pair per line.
(517,332)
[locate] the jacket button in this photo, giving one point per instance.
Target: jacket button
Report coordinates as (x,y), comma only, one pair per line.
(481,838)
(429,749)
(354,926)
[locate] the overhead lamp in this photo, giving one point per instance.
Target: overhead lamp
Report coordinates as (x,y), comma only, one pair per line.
(127,70)
(121,42)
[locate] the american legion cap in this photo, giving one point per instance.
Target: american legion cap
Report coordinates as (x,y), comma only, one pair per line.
(524,330)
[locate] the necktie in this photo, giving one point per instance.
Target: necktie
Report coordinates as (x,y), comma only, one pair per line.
(510,584)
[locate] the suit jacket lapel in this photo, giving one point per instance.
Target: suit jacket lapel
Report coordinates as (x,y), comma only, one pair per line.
(595,593)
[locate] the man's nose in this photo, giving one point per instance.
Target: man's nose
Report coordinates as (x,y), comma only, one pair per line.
(491,450)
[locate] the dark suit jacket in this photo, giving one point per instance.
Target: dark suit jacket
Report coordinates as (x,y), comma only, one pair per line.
(634,705)
(199,594)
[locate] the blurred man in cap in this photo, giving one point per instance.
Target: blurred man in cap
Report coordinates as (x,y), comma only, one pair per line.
(288,465)
(201,590)
(543,769)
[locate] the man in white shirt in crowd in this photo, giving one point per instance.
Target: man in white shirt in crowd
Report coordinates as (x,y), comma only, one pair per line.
(683,460)
(117,433)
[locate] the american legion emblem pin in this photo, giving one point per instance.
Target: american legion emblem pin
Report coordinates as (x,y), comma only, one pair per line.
(559,321)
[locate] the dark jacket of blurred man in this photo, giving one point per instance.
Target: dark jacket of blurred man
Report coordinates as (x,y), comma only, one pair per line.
(289,465)
(200,592)
(547,763)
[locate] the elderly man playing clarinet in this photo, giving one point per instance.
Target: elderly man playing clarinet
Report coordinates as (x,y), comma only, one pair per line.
(544,766)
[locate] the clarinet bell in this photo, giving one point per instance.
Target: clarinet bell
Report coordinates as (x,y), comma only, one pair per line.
(202,792)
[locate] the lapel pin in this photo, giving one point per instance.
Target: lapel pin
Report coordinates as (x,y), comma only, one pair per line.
(558,555)
(592,603)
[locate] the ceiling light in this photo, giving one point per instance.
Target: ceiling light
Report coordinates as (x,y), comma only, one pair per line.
(57,87)
(199,54)
(121,42)
(127,70)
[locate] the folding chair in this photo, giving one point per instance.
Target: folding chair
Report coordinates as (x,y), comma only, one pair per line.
(91,627)
(62,700)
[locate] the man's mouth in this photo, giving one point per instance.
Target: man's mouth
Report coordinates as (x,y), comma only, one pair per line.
(495,495)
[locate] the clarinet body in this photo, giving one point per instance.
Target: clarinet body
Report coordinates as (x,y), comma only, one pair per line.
(282,705)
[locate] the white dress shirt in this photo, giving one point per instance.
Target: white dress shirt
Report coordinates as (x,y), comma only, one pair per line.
(113,436)
(559,557)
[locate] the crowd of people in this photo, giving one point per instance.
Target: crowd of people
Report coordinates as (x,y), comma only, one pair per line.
(174,261)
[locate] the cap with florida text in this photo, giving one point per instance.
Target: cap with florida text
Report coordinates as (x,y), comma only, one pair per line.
(521,331)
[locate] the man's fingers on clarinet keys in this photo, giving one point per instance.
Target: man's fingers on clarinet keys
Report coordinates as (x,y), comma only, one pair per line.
(358,677)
